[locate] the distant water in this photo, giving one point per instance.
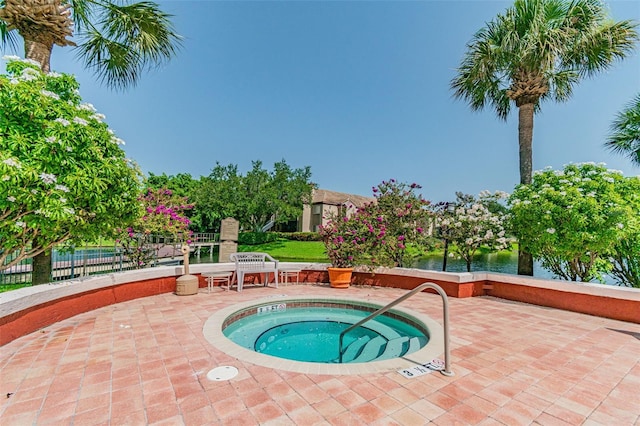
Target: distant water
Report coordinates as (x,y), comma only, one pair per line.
(506,263)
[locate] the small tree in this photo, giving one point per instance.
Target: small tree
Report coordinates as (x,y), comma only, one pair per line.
(571,219)
(63,175)
(183,185)
(160,214)
(380,233)
(476,223)
(401,218)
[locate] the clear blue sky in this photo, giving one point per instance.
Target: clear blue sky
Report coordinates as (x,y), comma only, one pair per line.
(358,90)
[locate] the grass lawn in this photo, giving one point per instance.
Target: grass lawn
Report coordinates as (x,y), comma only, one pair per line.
(292,251)
(313,251)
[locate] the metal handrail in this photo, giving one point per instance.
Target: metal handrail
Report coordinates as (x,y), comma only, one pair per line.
(445,307)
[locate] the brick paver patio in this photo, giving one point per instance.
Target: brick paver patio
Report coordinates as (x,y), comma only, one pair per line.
(145,362)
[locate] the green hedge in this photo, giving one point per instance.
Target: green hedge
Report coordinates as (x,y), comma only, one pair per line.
(301,236)
(255,238)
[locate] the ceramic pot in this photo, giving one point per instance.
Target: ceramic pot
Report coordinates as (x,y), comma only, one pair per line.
(340,277)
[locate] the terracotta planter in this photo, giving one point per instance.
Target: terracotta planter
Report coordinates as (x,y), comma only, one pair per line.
(340,277)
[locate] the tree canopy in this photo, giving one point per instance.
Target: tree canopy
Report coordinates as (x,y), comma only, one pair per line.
(470,223)
(380,232)
(573,219)
(255,199)
(63,174)
(161,214)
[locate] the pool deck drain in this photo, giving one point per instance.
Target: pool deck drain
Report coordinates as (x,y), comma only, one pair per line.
(225,372)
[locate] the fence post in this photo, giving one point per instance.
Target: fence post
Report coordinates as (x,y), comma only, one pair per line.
(84,261)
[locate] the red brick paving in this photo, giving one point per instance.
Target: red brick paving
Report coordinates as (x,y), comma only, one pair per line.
(145,362)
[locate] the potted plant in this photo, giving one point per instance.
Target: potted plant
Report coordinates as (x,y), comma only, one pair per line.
(343,247)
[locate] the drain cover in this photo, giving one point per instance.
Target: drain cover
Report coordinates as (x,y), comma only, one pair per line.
(225,372)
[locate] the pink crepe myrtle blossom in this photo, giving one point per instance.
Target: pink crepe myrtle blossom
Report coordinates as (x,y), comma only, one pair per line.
(161,213)
(379,232)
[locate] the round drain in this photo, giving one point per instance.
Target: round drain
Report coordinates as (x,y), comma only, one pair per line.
(225,372)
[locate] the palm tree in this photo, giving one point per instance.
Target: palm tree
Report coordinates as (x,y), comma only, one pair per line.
(625,132)
(538,50)
(117,41)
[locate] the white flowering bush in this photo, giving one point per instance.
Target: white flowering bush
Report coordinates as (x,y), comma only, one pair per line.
(625,257)
(474,223)
(63,175)
(572,219)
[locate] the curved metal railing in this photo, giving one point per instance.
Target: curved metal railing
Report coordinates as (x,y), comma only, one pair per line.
(445,307)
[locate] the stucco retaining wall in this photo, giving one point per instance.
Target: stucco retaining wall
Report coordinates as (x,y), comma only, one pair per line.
(29,309)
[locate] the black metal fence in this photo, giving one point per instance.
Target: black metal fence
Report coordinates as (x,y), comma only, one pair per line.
(82,261)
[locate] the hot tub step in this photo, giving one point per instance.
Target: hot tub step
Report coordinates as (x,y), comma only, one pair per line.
(371,350)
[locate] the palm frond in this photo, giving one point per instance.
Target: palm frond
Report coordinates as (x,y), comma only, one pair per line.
(115,64)
(481,78)
(598,49)
(8,37)
(625,132)
(82,14)
(126,40)
(144,27)
(562,83)
(539,49)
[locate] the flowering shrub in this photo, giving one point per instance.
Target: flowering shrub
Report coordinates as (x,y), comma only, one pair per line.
(63,175)
(400,218)
(379,233)
(572,219)
(160,214)
(625,257)
(342,242)
(473,223)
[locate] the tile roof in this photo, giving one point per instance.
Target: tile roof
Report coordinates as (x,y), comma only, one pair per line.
(337,198)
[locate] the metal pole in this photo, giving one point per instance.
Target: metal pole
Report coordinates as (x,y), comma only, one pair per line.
(73,258)
(84,261)
(446,254)
(445,317)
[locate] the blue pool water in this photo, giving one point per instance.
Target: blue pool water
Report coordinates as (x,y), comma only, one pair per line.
(311,334)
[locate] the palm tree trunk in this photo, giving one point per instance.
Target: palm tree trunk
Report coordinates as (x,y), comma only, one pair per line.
(39,52)
(525,139)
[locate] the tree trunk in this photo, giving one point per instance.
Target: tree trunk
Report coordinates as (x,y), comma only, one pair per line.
(41,272)
(39,52)
(525,141)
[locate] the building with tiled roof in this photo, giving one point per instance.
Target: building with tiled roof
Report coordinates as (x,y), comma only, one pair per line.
(325,203)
